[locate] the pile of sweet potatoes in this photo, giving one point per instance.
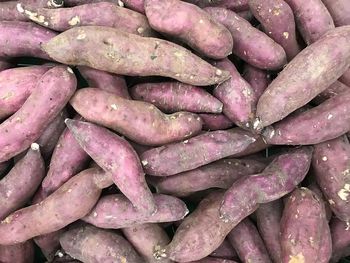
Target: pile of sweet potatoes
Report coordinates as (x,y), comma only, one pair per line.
(203,131)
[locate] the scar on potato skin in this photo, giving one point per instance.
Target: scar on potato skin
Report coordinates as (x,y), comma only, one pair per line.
(297,258)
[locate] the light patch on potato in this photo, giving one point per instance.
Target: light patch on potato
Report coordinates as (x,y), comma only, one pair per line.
(114,106)
(324,158)
(120,3)
(286,35)
(40,19)
(74,21)
(81,36)
(297,259)
(344,192)
(70,70)
(144,162)
(8,95)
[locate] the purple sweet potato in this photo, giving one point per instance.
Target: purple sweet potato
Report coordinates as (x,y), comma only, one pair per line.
(305,233)
(312,18)
(279,178)
(116,211)
(27,42)
(109,49)
(312,71)
(333,90)
(258,79)
(339,10)
(139,121)
(220,174)
(103,80)
(69,203)
(225,251)
(90,244)
(237,96)
(49,97)
(199,234)
(251,45)
(213,122)
(19,185)
(49,138)
(331,166)
(327,121)
(62,19)
(15,87)
(247,242)
(20,253)
(340,239)
(147,238)
(176,96)
(190,154)
(4,65)
(187,22)
(116,156)
(268,221)
(277,20)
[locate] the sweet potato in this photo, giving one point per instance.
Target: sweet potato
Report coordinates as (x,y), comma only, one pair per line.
(304,228)
(237,96)
(116,211)
(225,251)
(187,22)
(20,253)
(258,79)
(146,239)
(15,87)
(199,234)
(316,189)
(190,154)
(62,19)
(339,10)
(49,243)
(312,18)
(138,121)
(268,221)
(103,80)
(312,71)
(51,94)
(213,122)
(220,174)
(109,49)
(116,156)
(277,20)
(333,90)
(279,178)
(327,121)
(247,242)
(262,52)
(58,210)
(27,42)
(90,244)
(340,239)
(331,165)
(176,96)
(19,185)
(4,65)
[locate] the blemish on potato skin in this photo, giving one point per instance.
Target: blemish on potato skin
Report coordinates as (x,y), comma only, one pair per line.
(297,258)
(74,21)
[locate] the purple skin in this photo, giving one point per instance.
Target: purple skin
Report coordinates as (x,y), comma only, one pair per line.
(237,96)
(116,211)
(277,20)
(341,239)
(187,22)
(87,46)
(327,121)
(316,189)
(51,94)
(279,178)
(103,80)
(246,240)
(49,138)
(333,90)
(4,65)
(139,121)
(220,174)
(20,253)
(190,154)
(312,18)
(145,238)
(262,53)
(339,10)
(16,86)
(345,78)
(331,166)
(258,79)
(19,185)
(90,244)
(27,42)
(312,71)
(305,234)
(175,96)
(268,221)
(213,260)
(199,234)
(62,19)
(116,156)
(49,243)
(214,122)
(225,251)
(58,210)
